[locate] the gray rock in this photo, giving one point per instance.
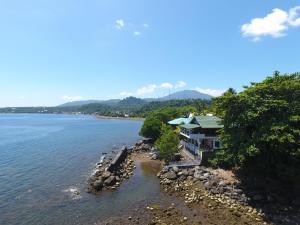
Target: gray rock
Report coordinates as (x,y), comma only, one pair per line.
(222,183)
(170,175)
(175,169)
(98,184)
(197,175)
(185,172)
(206,176)
(106,175)
(110,181)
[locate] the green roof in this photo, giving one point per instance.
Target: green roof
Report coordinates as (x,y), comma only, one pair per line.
(180,121)
(209,122)
(190,126)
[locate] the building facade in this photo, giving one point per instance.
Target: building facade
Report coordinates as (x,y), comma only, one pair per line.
(199,134)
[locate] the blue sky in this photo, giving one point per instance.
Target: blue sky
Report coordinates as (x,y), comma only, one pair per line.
(53,51)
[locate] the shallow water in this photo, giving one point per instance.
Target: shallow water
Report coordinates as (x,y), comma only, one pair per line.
(46,159)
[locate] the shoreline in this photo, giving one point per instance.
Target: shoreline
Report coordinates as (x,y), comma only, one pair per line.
(119,118)
(203,196)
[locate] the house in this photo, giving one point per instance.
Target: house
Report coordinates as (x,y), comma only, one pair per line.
(199,134)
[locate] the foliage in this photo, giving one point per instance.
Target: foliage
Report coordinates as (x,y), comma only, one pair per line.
(262,126)
(167,143)
(151,127)
(154,122)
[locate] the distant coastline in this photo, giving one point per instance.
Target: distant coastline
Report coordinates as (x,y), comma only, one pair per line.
(120,118)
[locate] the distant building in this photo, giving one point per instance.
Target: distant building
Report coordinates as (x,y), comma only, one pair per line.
(199,134)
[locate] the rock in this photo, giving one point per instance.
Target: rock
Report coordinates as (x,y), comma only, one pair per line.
(170,175)
(110,181)
(98,184)
(175,169)
(205,176)
(106,175)
(222,183)
(197,175)
(185,172)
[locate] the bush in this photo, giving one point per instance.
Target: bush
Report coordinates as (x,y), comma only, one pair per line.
(168,143)
(262,127)
(151,127)
(153,123)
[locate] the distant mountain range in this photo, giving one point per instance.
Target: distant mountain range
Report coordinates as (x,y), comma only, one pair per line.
(180,95)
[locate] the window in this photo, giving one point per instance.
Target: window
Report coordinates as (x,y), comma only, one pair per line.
(217,144)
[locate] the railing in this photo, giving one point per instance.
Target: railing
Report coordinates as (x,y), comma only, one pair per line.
(195,136)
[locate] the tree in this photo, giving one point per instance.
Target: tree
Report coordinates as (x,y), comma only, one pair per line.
(262,127)
(168,143)
(151,127)
(153,123)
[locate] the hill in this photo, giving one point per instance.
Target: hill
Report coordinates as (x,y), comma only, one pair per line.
(79,103)
(186,94)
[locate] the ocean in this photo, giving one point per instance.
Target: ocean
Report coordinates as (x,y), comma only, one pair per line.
(45,158)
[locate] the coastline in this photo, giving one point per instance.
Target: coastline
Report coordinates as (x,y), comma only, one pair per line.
(119,118)
(199,195)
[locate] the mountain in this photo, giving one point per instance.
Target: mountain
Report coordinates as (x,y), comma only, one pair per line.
(87,102)
(130,101)
(79,103)
(186,94)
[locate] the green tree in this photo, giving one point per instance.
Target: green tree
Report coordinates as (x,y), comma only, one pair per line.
(151,127)
(262,127)
(168,143)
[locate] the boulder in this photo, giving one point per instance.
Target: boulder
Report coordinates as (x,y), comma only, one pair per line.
(185,172)
(197,175)
(222,183)
(175,169)
(110,181)
(98,184)
(170,175)
(106,175)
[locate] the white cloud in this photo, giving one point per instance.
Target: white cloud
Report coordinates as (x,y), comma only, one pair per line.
(212,92)
(275,24)
(125,94)
(294,18)
(148,89)
(71,98)
(167,85)
(120,24)
(146,25)
(136,33)
(180,84)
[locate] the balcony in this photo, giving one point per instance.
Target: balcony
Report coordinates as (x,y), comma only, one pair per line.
(190,135)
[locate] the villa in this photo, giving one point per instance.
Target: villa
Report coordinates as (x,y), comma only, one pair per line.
(199,134)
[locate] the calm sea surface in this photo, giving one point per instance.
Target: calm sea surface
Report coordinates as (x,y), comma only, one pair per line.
(44,157)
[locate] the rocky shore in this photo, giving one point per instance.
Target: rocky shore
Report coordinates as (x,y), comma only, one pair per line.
(201,183)
(213,196)
(111,172)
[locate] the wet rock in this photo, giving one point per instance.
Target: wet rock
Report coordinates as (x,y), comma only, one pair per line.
(98,184)
(110,181)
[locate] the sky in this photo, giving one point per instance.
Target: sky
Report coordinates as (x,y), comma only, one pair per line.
(54,51)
